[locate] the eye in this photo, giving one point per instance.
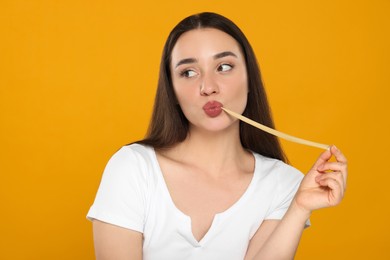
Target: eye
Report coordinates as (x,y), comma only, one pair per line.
(188,73)
(225,67)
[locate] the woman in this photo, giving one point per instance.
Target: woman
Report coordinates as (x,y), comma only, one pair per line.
(203,185)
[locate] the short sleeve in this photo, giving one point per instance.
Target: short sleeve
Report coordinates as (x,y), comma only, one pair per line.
(288,179)
(122,194)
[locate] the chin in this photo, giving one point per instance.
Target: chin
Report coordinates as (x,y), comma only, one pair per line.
(215,125)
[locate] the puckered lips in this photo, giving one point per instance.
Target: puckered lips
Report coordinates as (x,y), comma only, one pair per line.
(213,108)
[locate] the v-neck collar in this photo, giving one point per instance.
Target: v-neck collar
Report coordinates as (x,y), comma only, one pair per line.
(185,225)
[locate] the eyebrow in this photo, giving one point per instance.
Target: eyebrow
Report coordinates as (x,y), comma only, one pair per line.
(216,56)
(186,61)
(224,54)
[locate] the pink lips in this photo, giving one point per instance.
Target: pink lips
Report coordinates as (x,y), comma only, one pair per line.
(212,108)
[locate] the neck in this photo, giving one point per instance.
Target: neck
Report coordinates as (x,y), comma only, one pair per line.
(216,152)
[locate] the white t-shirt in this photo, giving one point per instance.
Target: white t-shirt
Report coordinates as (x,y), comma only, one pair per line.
(134,195)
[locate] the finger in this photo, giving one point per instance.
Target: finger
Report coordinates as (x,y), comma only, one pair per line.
(341,159)
(338,154)
(336,191)
(332,166)
(324,157)
(338,176)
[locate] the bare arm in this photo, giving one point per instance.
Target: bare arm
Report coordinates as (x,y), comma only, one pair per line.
(116,243)
(278,239)
(261,236)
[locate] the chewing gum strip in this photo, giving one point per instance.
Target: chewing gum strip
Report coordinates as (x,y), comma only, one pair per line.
(275,132)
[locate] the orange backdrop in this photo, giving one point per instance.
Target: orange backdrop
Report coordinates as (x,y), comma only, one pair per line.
(77,81)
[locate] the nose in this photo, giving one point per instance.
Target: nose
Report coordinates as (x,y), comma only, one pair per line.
(208,86)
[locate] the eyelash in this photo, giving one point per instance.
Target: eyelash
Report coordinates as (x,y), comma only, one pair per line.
(185,72)
(225,64)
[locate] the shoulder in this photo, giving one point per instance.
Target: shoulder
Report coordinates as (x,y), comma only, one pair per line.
(277,169)
(123,195)
(131,161)
(279,182)
(133,153)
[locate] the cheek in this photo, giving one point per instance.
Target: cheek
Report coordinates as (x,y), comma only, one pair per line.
(240,94)
(185,90)
(181,94)
(185,97)
(178,91)
(241,84)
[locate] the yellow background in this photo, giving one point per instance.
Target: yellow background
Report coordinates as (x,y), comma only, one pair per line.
(77,81)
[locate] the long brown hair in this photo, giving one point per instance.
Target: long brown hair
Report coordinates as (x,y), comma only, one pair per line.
(169,126)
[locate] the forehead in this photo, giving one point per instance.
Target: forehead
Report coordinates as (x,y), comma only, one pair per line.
(204,42)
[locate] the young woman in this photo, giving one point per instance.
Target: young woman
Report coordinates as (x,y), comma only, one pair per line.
(203,185)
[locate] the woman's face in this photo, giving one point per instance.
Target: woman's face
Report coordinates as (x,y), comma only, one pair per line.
(208,71)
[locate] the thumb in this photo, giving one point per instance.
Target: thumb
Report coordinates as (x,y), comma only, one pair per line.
(324,157)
